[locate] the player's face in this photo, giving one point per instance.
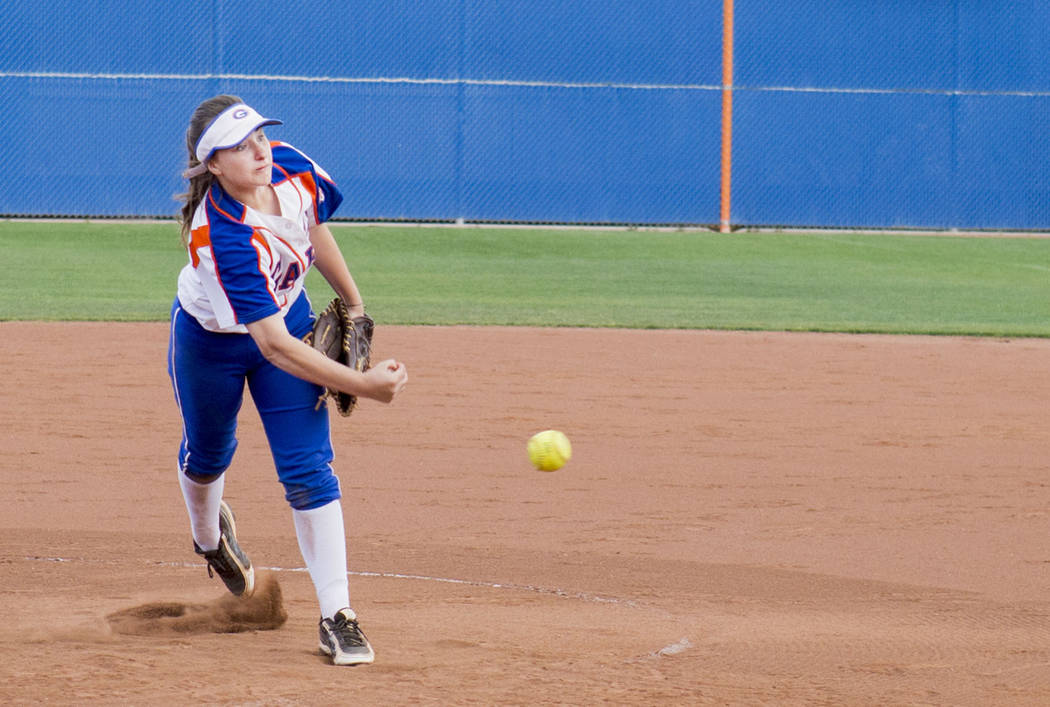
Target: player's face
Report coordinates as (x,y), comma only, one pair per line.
(247,164)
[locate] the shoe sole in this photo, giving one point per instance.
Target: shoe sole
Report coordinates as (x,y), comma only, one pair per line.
(226,514)
(347,659)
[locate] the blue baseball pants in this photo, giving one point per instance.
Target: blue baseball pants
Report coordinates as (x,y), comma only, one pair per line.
(208,373)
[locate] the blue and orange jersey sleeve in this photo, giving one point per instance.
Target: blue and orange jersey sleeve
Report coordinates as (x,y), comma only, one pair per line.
(290,163)
(242,259)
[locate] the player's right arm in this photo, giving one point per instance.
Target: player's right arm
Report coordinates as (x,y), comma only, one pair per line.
(381,382)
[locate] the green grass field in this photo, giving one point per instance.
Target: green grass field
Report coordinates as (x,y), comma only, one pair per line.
(849,282)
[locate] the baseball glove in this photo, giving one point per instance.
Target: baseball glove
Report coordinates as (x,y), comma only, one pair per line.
(343,339)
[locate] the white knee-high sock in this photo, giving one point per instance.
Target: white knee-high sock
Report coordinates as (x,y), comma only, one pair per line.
(202,503)
(323,544)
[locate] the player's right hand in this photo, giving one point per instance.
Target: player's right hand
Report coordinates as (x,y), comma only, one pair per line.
(386,379)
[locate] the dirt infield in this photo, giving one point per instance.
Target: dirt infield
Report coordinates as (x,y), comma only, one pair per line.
(748,518)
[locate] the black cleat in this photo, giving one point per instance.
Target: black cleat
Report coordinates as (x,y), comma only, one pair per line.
(228,560)
(343,641)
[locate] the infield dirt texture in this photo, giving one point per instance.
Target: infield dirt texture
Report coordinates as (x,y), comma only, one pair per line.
(748,518)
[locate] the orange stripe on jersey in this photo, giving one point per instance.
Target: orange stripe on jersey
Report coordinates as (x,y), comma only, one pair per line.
(309,183)
(259,238)
(260,244)
(200,237)
(307,180)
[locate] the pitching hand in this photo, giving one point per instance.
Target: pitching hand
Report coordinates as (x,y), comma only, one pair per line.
(386,379)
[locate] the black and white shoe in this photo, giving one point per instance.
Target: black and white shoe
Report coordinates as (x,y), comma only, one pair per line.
(228,560)
(343,641)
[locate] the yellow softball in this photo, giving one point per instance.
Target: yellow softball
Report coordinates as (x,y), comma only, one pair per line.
(549,450)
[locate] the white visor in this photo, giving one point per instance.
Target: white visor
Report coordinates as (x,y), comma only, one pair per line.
(228,129)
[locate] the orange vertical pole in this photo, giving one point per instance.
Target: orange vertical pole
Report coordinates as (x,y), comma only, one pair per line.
(725,222)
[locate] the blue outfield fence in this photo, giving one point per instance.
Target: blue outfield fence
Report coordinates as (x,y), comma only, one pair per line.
(845,114)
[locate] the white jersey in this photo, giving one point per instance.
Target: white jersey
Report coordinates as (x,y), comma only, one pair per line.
(246,265)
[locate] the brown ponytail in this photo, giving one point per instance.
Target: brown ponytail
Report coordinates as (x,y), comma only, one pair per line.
(200,184)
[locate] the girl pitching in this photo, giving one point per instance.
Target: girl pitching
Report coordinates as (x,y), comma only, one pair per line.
(253,221)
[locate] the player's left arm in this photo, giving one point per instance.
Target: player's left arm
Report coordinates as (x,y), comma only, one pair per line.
(328,259)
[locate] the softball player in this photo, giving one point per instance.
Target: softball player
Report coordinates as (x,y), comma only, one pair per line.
(253,220)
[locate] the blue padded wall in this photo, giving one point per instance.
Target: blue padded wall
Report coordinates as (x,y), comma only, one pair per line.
(846,114)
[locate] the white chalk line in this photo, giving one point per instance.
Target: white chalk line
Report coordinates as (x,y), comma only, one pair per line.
(535,589)
(667,651)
